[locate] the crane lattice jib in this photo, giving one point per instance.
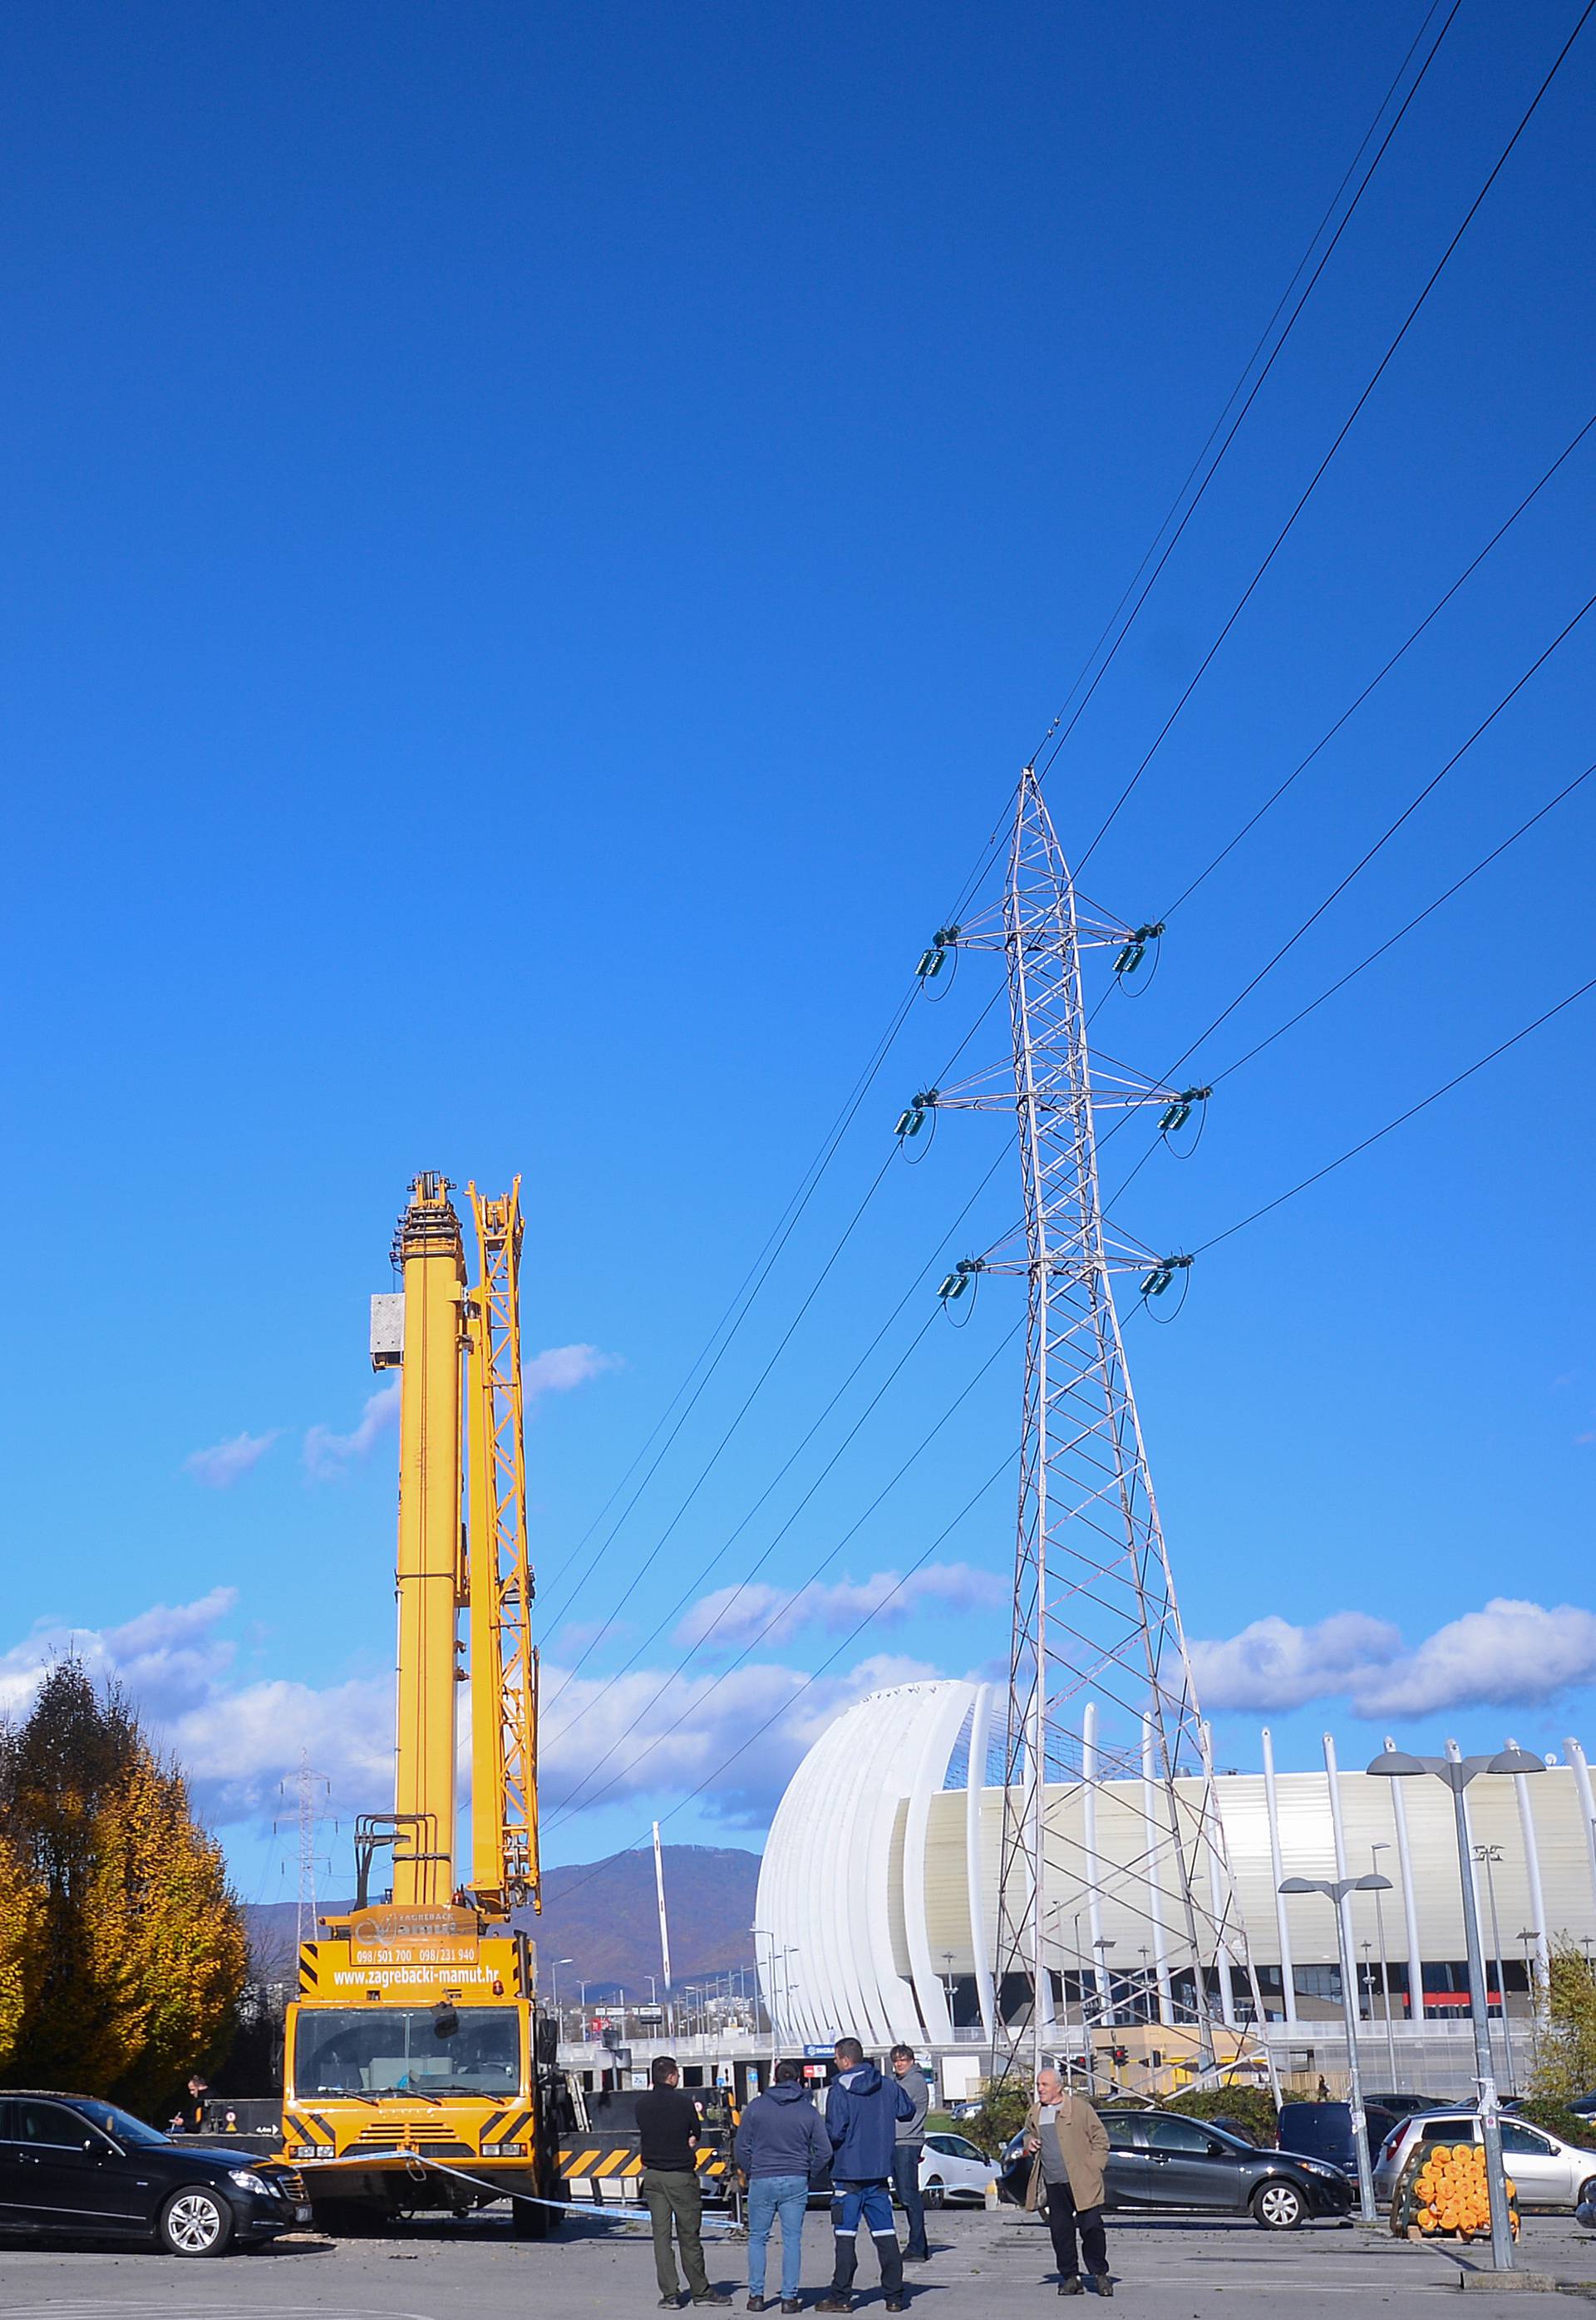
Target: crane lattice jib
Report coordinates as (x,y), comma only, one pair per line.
(504,1660)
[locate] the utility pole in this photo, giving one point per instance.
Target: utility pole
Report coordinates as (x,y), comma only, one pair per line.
(664,1926)
(306,1821)
(1374,1853)
(1094,1623)
(1491,1855)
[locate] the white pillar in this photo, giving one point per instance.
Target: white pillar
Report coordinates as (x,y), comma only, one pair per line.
(1216,1882)
(1399,1812)
(975,1791)
(1153,1817)
(1537,1900)
(1333,1784)
(1581,1781)
(1089,1762)
(1277,1879)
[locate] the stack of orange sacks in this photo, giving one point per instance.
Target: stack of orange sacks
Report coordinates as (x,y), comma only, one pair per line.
(1450,2193)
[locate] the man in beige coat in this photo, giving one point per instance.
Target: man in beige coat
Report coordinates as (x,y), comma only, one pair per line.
(1069,2145)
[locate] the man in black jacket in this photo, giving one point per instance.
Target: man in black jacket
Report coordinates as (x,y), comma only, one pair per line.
(667,2133)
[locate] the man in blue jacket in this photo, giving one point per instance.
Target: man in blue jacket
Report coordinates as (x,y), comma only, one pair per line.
(780,2145)
(862,2114)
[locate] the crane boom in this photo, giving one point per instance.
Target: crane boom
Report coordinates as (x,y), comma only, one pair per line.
(503,1662)
(429,1573)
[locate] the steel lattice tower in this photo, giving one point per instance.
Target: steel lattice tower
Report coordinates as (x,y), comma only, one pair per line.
(1102,1714)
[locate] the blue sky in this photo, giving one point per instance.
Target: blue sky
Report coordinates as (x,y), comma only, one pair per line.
(539,540)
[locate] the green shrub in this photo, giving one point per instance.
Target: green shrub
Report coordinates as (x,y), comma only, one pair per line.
(1250,2106)
(1004,2106)
(1544,2110)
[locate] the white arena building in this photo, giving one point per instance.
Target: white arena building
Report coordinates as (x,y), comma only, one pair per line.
(878,1902)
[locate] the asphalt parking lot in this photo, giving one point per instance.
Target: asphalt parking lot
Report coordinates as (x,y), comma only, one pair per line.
(1179,2268)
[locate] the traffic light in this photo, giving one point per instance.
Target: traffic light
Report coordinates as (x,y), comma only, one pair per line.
(1119,2056)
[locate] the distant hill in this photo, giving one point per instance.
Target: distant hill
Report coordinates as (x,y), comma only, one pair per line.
(602,1915)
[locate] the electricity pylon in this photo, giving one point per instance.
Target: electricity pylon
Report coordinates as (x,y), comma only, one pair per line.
(1102,1713)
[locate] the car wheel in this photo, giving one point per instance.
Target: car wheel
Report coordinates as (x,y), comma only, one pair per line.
(1278,2206)
(1585,2197)
(195,2222)
(932,2194)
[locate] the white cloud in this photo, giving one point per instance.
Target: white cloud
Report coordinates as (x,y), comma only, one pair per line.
(696,1724)
(1511,1653)
(557,1368)
(1272,1665)
(327,1454)
(737,1615)
(240,1743)
(220,1466)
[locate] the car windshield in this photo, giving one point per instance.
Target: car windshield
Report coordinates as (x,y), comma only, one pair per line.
(120,2124)
(406,2050)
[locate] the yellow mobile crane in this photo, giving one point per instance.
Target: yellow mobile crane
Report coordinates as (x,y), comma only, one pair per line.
(419,2072)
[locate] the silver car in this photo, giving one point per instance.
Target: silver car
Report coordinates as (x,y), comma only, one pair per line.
(1549,2171)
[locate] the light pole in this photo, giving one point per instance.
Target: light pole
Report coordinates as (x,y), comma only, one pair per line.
(1336,1891)
(1491,1855)
(1374,1853)
(947,1956)
(1457,1771)
(1530,1936)
(554,1966)
(770,2000)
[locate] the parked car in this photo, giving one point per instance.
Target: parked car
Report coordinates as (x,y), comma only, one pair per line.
(1549,2171)
(951,2168)
(1162,2159)
(73,2165)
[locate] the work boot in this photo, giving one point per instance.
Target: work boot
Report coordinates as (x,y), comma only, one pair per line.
(756,2304)
(897,2304)
(1103,2283)
(792,2304)
(1070,2285)
(835,2304)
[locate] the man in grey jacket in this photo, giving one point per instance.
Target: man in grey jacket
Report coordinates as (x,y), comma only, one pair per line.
(907,2150)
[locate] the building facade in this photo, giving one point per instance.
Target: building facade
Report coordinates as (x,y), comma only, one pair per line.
(877,1908)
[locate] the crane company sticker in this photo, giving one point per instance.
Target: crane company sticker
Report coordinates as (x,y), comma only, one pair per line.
(389,1936)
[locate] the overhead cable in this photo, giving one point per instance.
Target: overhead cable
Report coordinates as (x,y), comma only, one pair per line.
(1400,1120)
(1346,429)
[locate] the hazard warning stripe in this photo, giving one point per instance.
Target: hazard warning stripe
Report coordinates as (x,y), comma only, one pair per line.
(609,2165)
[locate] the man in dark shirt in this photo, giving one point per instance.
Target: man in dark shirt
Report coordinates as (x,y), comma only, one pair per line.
(190,2118)
(667,2133)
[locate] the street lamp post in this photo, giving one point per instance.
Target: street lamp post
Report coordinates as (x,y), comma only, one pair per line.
(1530,1936)
(1335,1891)
(1491,1855)
(1374,1853)
(554,1966)
(1457,1771)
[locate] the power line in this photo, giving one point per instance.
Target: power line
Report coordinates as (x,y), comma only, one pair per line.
(1378,952)
(1257,384)
(747,1403)
(1344,431)
(813,1677)
(706,1568)
(1399,1122)
(1406,645)
(1384,838)
(827,1560)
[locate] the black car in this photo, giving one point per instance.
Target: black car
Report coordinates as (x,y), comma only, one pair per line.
(71,2164)
(1162,2159)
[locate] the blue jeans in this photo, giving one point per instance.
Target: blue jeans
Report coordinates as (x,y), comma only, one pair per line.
(770,2196)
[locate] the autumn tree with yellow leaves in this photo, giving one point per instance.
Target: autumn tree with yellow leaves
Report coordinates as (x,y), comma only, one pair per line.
(128,1956)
